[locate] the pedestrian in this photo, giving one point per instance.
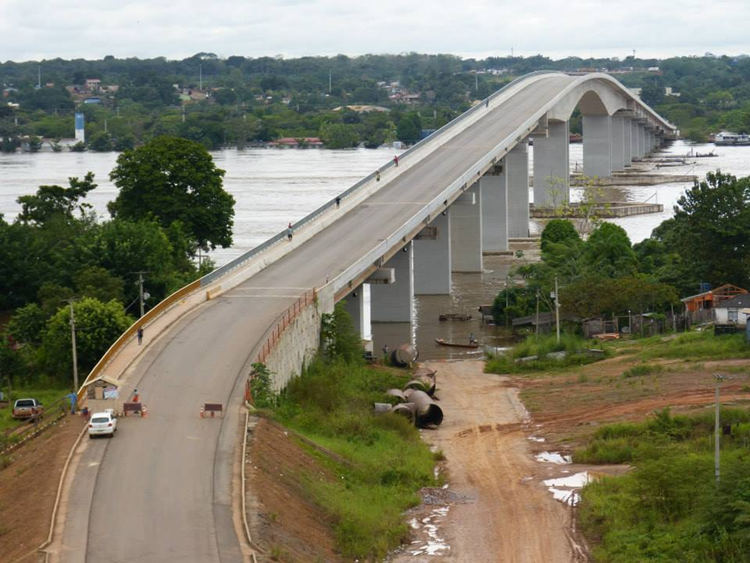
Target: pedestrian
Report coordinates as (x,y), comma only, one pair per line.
(472,339)
(377,176)
(135,397)
(487,103)
(289,232)
(140,335)
(385,352)
(338,201)
(73,398)
(395,160)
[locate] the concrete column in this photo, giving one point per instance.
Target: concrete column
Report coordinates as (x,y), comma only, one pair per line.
(494,188)
(551,166)
(627,143)
(618,144)
(597,146)
(432,258)
(394,303)
(358,307)
(466,231)
(517,173)
(635,140)
(642,148)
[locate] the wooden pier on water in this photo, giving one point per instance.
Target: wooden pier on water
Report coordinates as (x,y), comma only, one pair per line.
(604,210)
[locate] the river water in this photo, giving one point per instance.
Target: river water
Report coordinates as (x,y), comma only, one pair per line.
(273,187)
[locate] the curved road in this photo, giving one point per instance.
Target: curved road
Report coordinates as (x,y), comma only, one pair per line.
(161,490)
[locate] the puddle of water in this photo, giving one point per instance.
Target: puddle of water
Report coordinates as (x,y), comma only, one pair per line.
(565,489)
(433,544)
(554,457)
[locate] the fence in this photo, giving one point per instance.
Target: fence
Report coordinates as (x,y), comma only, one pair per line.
(286,318)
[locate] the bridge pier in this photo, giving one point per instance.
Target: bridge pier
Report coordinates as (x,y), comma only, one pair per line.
(432,257)
(358,306)
(466,231)
(494,188)
(551,166)
(394,302)
(627,143)
(597,146)
(642,148)
(618,144)
(635,139)
(517,173)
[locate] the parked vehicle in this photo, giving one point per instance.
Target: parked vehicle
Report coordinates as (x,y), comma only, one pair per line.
(23,409)
(103,424)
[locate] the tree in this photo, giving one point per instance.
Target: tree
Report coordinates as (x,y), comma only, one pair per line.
(98,326)
(559,231)
(171,180)
(339,136)
(608,251)
(409,128)
(51,201)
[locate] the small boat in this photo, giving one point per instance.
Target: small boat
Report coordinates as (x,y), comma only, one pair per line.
(455,317)
(454,345)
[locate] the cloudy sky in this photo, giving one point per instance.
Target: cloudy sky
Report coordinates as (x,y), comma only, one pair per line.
(45,29)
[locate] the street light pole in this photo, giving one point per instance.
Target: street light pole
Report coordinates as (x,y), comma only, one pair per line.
(141,296)
(557,311)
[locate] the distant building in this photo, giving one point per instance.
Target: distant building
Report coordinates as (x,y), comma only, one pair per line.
(80,132)
(671,93)
(291,142)
(734,311)
(92,100)
(93,84)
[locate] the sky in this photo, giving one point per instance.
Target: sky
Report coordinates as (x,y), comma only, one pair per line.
(47,29)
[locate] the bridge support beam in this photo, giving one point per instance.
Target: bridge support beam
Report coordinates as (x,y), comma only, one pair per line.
(394,303)
(466,231)
(618,144)
(551,166)
(597,146)
(642,148)
(494,188)
(432,257)
(358,306)
(627,143)
(517,173)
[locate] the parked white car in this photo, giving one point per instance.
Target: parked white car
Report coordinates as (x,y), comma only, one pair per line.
(103,424)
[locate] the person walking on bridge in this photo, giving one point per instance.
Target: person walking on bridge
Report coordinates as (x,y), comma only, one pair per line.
(395,161)
(289,232)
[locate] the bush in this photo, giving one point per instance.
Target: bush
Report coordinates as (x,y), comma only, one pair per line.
(574,347)
(642,369)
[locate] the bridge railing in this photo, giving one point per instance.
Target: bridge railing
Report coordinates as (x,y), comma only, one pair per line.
(274,333)
(331,204)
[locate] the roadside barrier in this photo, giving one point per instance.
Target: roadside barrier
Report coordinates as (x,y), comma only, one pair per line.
(134,408)
(286,318)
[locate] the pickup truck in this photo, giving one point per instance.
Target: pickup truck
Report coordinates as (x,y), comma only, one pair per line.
(27,408)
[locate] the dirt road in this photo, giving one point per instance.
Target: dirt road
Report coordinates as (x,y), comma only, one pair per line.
(500,513)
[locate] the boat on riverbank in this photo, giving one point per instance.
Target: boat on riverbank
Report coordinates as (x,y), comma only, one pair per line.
(442,342)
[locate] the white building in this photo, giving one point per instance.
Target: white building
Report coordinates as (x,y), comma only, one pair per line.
(734,311)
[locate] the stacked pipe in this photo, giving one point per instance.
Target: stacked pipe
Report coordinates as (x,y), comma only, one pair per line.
(416,400)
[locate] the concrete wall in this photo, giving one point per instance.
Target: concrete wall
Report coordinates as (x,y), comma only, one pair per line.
(432,259)
(300,341)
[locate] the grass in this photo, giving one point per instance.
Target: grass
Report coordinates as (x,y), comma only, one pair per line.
(669,508)
(46,395)
(574,347)
(643,369)
(694,346)
(387,463)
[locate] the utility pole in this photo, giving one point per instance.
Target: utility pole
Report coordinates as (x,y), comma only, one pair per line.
(476,81)
(73,343)
(141,295)
(718,378)
(330,81)
(507,299)
(536,329)
(39,78)
(557,311)
(200,77)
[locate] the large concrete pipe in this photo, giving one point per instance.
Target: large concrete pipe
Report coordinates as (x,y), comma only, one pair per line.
(404,355)
(428,411)
(423,383)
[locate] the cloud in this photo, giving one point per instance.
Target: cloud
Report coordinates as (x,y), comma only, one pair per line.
(59,28)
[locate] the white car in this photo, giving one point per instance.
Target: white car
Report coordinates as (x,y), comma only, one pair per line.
(103,424)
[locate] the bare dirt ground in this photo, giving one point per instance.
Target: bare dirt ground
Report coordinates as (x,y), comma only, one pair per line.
(28,487)
(284,525)
(497,510)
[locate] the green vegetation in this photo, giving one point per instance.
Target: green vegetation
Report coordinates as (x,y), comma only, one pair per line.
(386,464)
(57,250)
(668,507)
(543,351)
(642,369)
(46,394)
(694,346)
(245,100)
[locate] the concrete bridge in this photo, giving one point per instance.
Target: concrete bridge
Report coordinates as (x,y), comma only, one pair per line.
(168,487)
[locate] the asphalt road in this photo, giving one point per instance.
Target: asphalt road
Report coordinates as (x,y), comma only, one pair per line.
(161,492)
